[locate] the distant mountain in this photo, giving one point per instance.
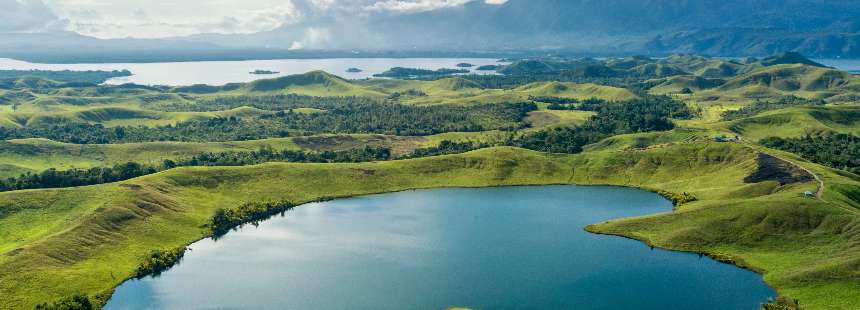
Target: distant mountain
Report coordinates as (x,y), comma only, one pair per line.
(816,28)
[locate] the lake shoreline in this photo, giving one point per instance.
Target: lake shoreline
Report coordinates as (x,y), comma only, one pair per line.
(721,258)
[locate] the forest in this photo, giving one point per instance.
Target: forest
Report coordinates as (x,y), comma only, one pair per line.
(840,151)
(379,118)
(612,118)
(65,76)
(52,178)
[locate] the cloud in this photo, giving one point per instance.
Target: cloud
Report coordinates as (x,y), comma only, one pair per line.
(28,16)
(168,18)
(412,6)
(314,38)
(171,18)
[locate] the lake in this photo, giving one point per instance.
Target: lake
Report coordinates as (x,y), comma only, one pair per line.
(489,248)
(223,72)
(850,65)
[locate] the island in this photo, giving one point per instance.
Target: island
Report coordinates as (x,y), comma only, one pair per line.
(400,72)
(263,72)
(65,76)
(488,68)
(465,65)
(354,70)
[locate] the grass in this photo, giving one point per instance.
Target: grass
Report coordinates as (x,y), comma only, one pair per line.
(57,242)
(113,116)
(94,237)
(544,118)
(139,107)
(35,155)
(795,122)
(781,80)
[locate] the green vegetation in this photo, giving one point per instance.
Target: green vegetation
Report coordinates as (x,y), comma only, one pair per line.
(380,118)
(678,199)
(399,72)
(169,165)
(53,178)
(762,106)
(798,121)
(258,71)
(711,172)
(226,219)
(834,150)
(158,261)
(447,147)
(649,114)
(65,76)
(74,302)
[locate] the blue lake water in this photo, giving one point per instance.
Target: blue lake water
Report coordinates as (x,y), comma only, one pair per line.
(850,65)
(490,248)
(223,72)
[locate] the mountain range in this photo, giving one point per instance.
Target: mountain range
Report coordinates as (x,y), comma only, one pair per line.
(816,28)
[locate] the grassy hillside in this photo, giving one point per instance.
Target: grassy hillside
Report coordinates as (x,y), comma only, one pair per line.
(113,106)
(316,83)
(94,236)
(794,122)
(35,155)
(748,208)
(791,79)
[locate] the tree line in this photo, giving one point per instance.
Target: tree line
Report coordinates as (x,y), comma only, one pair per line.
(159,261)
(611,118)
(377,118)
(840,151)
(650,113)
(52,178)
(226,219)
(760,106)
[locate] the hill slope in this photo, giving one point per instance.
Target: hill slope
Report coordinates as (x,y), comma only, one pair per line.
(93,236)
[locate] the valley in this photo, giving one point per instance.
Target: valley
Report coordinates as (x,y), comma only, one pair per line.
(737,145)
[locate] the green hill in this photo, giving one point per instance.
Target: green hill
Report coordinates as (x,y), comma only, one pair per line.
(657,70)
(795,122)
(315,83)
(782,80)
(788,58)
(676,84)
(573,90)
(59,242)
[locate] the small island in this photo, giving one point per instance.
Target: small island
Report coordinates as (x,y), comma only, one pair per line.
(464,65)
(400,72)
(354,70)
(488,68)
(263,72)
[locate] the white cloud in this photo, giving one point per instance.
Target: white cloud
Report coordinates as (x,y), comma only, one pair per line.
(168,18)
(314,37)
(28,16)
(410,6)
(171,18)
(323,4)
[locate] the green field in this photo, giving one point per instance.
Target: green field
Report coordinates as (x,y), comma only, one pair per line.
(749,209)
(34,155)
